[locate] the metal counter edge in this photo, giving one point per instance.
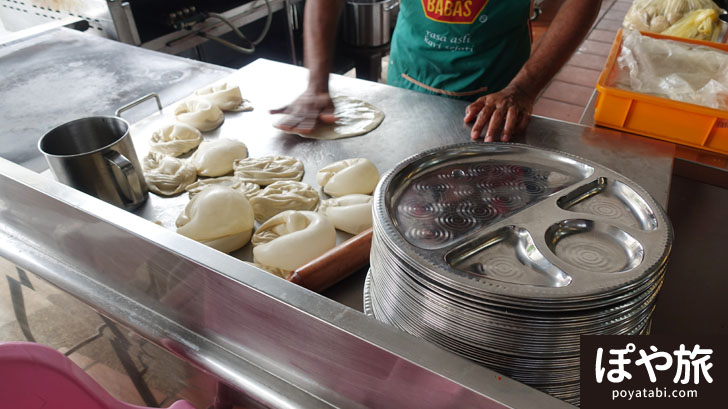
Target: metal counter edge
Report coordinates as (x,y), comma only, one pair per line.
(282,345)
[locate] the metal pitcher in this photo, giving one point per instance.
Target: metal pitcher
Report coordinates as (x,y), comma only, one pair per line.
(96,155)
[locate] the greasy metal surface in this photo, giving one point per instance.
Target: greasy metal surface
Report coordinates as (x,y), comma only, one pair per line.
(414,122)
(304,339)
(395,139)
(62,75)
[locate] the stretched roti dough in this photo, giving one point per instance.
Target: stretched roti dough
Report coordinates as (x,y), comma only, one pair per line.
(219,217)
(268,169)
(175,139)
(354,117)
(167,175)
(248,189)
(350,213)
(291,239)
(215,157)
(281,196)
(348,176)
(199,113)
(226,97)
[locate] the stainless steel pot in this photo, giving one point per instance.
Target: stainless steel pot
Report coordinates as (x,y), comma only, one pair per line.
(368,23)
(96,156)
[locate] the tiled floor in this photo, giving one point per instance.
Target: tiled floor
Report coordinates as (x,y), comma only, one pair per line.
(567,95)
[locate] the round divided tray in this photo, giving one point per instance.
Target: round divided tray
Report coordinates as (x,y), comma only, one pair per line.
(506,253)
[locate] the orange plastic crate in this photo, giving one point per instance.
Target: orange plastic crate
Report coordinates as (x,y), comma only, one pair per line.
(656,117)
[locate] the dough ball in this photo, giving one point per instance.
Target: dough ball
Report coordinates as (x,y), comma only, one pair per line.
(248,189)
(348,176)
(281,196)
(199,113)
(291,239)
(175,139)
(354,117)
(215,157)
(219,217)
(268,169)
(167,175)
(224,96)
(350,213)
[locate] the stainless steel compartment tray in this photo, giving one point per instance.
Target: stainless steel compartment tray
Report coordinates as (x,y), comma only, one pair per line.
(509,221)
(506,254)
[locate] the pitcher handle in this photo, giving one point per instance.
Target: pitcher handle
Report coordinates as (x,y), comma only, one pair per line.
(136,102)
(130,185)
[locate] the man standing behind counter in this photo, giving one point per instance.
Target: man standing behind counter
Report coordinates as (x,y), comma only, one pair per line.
(478,50)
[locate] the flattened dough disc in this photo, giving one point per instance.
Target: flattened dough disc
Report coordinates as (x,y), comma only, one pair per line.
(354,117)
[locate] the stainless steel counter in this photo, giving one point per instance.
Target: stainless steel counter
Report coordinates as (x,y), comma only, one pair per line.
(62,74)
(414,122)
(281,344)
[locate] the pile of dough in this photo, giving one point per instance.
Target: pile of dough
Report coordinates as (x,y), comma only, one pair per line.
(268,169)
(175,139)
(281,196)
(350,213)
(354,117)
(291,239)
(167,175)
(348,176)
(199,113)
(225,97)
(219,217)
(248,189)
(215,157)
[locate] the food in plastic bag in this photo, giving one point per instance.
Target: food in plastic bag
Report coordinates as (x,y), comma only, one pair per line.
(674,70)
(699,24)
(657,16)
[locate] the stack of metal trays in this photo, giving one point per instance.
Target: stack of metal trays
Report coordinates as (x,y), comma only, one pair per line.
(506,254)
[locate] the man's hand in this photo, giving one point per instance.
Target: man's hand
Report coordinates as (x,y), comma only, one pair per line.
(304,113)
(508,111)
(314,106)
(505,112)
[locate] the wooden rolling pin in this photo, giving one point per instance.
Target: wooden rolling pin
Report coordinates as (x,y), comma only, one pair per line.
(336,264)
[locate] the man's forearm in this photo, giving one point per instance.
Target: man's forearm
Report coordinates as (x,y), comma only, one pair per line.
(565,34)
(320,20)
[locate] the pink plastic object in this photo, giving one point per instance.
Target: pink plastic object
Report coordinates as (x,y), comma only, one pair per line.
(34,376)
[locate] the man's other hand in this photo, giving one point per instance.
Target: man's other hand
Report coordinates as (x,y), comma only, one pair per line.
(505,113)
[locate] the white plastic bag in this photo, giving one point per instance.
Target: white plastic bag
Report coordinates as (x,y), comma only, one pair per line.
(674,70)
(657,16)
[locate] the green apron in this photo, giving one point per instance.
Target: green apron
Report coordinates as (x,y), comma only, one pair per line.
(460,48)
